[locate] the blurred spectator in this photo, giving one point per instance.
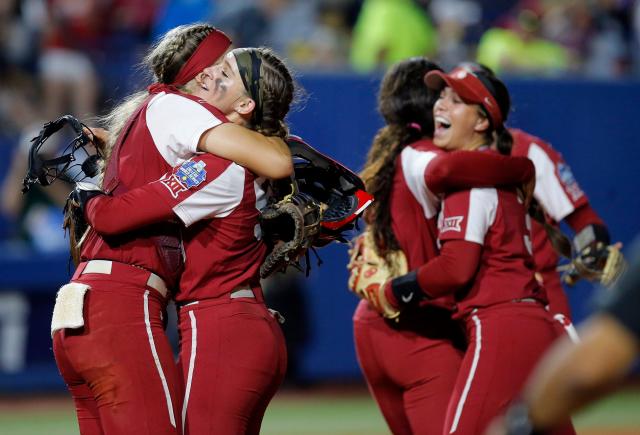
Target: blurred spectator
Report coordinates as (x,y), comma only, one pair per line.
(20,22)
(521,49)
(75,30)
(307,32)
(38,215)
(388,31)
(453,18)
(609,46)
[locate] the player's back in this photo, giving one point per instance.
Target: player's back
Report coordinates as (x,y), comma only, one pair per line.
(224,250)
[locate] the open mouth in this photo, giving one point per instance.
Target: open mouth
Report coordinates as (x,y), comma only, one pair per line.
(442,123)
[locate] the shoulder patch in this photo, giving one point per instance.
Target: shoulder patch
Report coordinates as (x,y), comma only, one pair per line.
(569,181)
(451,224)
(188,175)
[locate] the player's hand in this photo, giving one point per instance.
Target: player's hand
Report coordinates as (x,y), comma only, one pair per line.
(99,136)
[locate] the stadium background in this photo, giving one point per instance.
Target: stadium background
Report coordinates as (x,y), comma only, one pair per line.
(587,108)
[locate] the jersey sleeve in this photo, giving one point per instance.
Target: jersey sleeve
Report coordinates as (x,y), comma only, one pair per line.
(468,169)
(176,124)
(556,187)
(467,215)
(415,165)
(203,187)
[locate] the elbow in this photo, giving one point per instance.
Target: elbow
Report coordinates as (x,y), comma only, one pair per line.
(435,179)
(282,168)
(461,280)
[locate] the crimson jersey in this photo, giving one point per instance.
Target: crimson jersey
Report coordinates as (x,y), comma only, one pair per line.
(414,208)
(218,201)
(165,133)
(495,219)
(556,189)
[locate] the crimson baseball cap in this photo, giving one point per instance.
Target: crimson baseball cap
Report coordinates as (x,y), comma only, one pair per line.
(472,89)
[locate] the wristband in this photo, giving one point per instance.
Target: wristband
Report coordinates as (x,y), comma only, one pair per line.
(406,290)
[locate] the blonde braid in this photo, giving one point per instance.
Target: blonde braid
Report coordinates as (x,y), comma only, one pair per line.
(164,60)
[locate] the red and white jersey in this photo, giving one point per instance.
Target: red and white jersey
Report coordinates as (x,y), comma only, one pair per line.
(219,202)
(495,219)
(165,134)
(414,208)
(556,189)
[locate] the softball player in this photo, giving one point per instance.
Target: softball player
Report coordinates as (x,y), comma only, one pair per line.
(232,351)
(563,200)
(107,325)
(411,366)
(485,262)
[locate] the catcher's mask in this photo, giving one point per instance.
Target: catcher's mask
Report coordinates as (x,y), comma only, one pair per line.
(331,183)
(44,169)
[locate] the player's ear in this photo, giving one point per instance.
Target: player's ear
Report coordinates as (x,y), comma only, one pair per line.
(244,106)
(482,123)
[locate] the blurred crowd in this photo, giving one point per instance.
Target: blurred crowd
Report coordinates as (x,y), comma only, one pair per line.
(76,56)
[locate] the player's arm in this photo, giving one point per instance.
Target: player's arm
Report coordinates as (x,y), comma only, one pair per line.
(460,170)
(454,268)
(459,258)
(190,192)
(145,205)
(265,156)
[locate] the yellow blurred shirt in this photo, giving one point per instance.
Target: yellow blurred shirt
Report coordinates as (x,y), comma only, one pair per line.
(503,51)
(388,31)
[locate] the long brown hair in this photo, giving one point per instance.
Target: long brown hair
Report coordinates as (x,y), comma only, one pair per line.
(406,105)
(277,89)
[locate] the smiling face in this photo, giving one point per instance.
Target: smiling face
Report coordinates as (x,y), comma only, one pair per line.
(458,125)
(224,89)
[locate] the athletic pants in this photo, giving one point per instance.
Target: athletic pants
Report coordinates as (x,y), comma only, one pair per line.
(410,368)
(233,359)
(505,341)
(119,367)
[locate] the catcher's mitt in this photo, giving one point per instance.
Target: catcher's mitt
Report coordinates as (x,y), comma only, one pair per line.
(596,260)
(329,182)
(289,227)
(369,272)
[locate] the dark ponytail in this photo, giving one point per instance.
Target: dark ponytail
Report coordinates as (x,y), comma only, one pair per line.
(504,140)
(406,104)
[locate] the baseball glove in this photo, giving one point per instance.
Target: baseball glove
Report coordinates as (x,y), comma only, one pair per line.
(369,272)
(596,262)
(289,226)
(597,259)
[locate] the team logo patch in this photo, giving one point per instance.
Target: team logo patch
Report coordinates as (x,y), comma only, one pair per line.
(569,181)
(187,176)
(451,224)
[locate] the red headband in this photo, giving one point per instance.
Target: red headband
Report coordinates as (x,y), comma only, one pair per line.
(469,87)
(206,54)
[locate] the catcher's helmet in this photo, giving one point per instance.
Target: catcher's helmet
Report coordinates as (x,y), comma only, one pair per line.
(44,169)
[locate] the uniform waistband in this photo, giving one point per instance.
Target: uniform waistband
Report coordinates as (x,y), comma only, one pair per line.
(108,267)
(239,292)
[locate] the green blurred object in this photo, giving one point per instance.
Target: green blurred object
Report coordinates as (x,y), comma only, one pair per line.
(388,31)
(309,412)
(506,51)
